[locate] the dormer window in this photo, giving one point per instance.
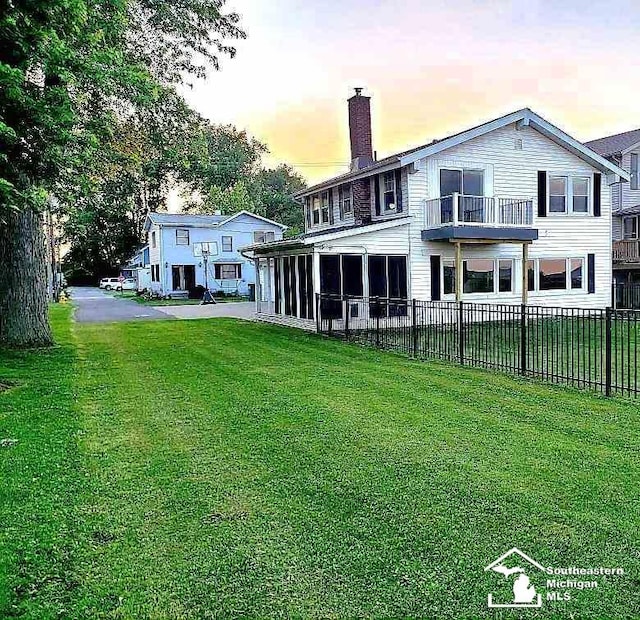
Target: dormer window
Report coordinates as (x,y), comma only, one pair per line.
(389,191)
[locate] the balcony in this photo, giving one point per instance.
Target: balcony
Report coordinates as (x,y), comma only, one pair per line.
(477,218)
(627,251)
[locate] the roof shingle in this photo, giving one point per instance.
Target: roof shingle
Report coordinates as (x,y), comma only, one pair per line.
(614,145)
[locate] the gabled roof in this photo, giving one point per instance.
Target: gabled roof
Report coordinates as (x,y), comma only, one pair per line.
(524,117)
(202,221)
(616,144)
(185,219)
(330,234)
(254,215)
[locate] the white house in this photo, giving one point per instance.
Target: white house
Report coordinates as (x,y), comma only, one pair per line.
(181,247)
(514,210)
(624,150)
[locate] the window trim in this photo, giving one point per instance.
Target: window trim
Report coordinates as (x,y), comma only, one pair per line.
(188,236)
(569,195)
(461,170)
(345,197)
(568,282)
(632,218)
(450,262)
(391,175)
(324,207)
(218,268)
(634,184)
(226,248)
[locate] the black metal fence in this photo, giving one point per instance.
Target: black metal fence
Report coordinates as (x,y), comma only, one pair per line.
(626,296)
(586,348)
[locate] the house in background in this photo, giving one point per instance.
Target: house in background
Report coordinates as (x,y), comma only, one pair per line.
(512,211)
(180,246)
(624,151)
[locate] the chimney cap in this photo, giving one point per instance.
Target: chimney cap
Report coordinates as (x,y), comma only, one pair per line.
(358,90)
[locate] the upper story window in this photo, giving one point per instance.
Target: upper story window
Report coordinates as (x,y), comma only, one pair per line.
(315,207)
(389,191)
(325,207)
(569,194)
(630,227)
(635,171)
(344,198)
(153,239)
(182,236)
(263,236)
(465,181)
(227,243)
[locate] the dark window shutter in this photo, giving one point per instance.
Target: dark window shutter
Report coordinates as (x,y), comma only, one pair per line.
(331,206)
(239,272)
(399,190)
(376,183)
(542,193)
(435,279)
(340,190)
(591,272)
(597,194)
(307,206)
(216,269)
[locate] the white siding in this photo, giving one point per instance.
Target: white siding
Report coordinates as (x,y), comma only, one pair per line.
(513,173)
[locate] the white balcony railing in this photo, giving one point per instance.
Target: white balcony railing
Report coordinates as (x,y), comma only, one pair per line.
(458,210)
(627,251)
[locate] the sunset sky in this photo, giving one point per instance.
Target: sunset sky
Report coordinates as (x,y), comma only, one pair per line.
(433,67)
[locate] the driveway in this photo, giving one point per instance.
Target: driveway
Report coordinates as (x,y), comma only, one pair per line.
(95,306)
(237,310)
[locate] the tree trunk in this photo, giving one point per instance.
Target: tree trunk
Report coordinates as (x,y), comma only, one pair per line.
(24,320)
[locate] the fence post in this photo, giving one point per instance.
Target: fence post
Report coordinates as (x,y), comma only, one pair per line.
(414,328)
(608,352)
(523,339)
(461,331)
(377,321)
(346,317)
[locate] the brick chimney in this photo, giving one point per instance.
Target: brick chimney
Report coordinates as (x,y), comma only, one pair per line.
(360,130)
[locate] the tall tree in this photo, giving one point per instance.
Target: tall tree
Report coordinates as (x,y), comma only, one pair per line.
(69,68)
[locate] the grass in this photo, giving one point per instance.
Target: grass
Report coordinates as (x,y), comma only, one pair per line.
(218,468)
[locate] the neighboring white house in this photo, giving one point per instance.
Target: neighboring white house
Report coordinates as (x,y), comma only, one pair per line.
(176,244)
(624,150)
(471,217)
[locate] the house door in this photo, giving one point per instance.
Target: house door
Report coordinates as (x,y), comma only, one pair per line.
(175,277)
(189,277)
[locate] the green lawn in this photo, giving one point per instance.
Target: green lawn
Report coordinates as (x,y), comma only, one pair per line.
(200,469)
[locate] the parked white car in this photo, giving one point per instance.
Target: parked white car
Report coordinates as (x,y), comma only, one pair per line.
(109,283)
(129,284)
